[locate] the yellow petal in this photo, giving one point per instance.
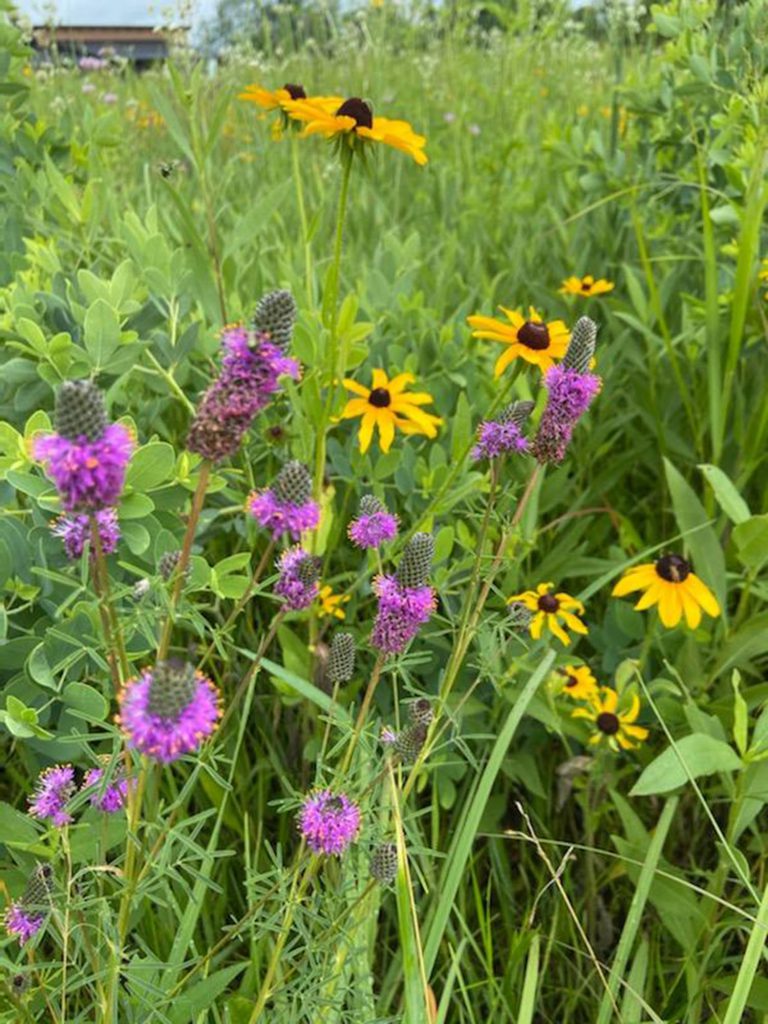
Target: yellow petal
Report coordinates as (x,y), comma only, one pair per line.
(650,597)
(637,578)
(691,608)
(505,359)
(609,700)
(402,380)
(536,625)
(366,431)
(386,430)
(634,710)
(355,407)
(670,608)
(380,380)
(355,388)
(701,593)
(557,630)
(574,623)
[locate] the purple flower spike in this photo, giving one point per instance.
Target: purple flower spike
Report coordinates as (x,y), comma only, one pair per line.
(498,437)
(374,524)
(402,612)
(55,788)
(168,711)
(87,474)
(23,923)
(287,506)
(570,394)
(75,531)
(298,579)
(328,822)
(110,798)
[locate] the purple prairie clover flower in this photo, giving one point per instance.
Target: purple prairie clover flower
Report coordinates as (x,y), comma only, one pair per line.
(498,437)
(25,924)
(111,797)
(87,456)
(402,612)
(287,506)
(168,710)
(374,525)
(298,579)
(55,787)
(251,369)
(329,822)
(75,531)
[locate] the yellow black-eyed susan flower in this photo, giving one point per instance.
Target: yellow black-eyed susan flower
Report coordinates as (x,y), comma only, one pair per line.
(670,583)
(353,120)
(611,726)
(550,610)
(532,340)
(386,405)
(276,99)
(578,682)
(586,286)
(330,603)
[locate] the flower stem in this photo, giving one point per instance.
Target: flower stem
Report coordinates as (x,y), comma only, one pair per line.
(363,713)
(302,218)
(113,635)
(186,550)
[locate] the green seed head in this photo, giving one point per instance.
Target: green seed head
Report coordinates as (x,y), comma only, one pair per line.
(517,413)
(275,315)
(384,863)
(341,660)
(413,570)
(293,484)
(173,686)
(409,742)
(581,349)
(80,410)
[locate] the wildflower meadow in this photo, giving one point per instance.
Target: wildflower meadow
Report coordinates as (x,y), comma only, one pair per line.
(384,627)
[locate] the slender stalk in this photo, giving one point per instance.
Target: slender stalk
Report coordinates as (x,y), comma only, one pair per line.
(186,550)
(297,180)
(116,633)
(363,713)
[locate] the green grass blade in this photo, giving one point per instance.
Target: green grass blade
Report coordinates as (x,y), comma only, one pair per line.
(530,982)
(750,965)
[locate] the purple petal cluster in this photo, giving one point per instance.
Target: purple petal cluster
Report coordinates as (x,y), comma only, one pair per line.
(373,530)
(570,394)
(251,368)
(161,738)
(23,923)
(75,531)
(329,822)
(495,438)
(89,475)
(297,583)
(110,798)
(55,787)
(283,517)
(402,611)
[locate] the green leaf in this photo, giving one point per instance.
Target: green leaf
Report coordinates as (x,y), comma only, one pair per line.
(728,498)
(751,540)
(87,701)
(151,466)
(101,333)
(702,755)
(700,537)
(188,1005)
(15,827)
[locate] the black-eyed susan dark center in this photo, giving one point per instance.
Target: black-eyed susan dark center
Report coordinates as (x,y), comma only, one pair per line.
(608,723)
(359,109)
(533,335)
(380,398)
(548,603)
(296,92)
(673,568)
(586,286)
(570,682)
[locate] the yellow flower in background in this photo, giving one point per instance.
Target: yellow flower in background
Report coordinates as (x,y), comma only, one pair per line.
(354,119)
(671,583)
(615,728)
(578,682)
(386,405)
(272,99)
(531,339)
(549,610)
(586,286)
(330,603)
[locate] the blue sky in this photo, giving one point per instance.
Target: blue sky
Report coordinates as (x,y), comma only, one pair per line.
(97,12)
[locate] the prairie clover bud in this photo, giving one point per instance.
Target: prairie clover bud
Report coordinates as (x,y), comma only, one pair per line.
(571,389)
(251,368)
(75,532)
(519,616)
(341,660)
(24,918)
(374,524)
(286,506)
(329,822)
(420,711)
(87,456)
(498,437)
(275,315)
(55,787)
(110,796)
(297,582)
(413,570)
(383,865)
(167,563)
(410,741)
(168,710)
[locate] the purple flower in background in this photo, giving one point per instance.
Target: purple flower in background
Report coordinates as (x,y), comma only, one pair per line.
(402,612)
(88,63)
(251,370)
(55,787)
(374,524)
(329,822)
(23,923)
(88,87)
(168,710)
(286,506)
(75,531)
(110,797)
(109,98)
(298,579)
